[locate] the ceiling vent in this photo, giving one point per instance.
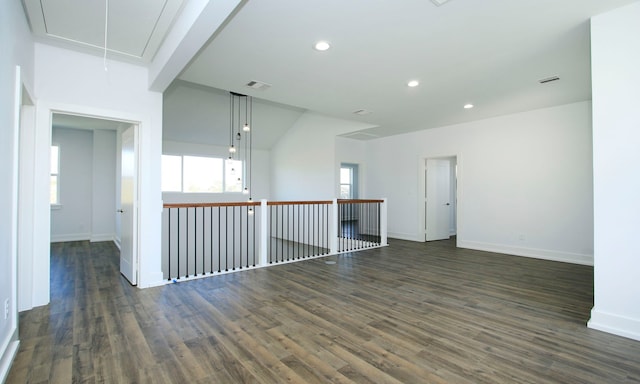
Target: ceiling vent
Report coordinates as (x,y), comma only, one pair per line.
(360,135)
(548,79)
(362,112)
(258,85)
(439,2)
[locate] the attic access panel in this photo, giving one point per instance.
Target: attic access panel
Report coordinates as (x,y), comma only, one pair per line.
(135,28)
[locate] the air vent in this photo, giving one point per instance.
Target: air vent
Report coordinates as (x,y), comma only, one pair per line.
(360,135)
(362,112)
(548,79)
(258,85)
(439,2)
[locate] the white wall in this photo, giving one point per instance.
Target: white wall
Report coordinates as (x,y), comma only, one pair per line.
(68,81)
(524,181)
(71,220)
(616,166)
(304,165)
(16,46)
(87,185)
(260,179)
(198,114)
(103,222)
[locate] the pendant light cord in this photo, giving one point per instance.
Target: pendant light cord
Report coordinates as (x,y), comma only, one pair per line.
(250,146)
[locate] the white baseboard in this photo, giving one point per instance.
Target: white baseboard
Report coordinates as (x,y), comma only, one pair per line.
(102,237)
(566,257)
(85,236)
(615,324)
(155,280)
(404,236)
(8,355)
(70,237)
(116,241)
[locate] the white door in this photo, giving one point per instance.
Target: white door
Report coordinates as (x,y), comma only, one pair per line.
(437,196)
(128,254)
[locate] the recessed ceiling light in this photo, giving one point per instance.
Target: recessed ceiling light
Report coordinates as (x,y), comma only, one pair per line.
(413,83)
(468,106)
(322,46)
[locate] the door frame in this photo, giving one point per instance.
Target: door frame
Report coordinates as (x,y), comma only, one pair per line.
(456,183)
(45,112)
(355,178)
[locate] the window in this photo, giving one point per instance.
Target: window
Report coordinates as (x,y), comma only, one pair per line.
(202,174)
(349,181)
(233,175)
(54,183)
(171,173)
(345,183)
(199,174)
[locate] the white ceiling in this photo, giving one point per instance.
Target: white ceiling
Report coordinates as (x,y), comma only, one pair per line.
(490,53)
(135,29)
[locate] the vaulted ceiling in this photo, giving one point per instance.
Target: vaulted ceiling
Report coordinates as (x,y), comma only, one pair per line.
(489,53)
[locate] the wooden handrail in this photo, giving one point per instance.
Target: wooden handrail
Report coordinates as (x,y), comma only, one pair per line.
(199,205)
(360,201)
(257,203)
(298,202)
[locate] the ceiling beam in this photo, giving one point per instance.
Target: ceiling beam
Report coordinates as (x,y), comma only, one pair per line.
(199,21)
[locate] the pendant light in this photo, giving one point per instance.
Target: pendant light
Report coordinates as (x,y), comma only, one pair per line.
(240,132)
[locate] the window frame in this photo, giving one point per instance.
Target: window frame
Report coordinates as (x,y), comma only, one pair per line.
(353,180)
(223,169)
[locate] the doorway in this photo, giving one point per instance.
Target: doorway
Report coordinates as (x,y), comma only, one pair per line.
(111,212)
(349,189)
(438,197)
(349,181)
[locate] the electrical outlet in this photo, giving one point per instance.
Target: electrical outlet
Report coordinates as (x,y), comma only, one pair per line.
(6,309)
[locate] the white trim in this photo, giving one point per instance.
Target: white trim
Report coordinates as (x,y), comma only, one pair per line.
(422,167)
(615,324)
(404,236)
(545,254)
(102,237)
(70,237)
(26,218)
(157,279)
(10,344)
(41,206)
(8,355)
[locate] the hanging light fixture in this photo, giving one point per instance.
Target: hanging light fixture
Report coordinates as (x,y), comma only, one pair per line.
(232,148)
(245,190)
(250,168)
(240,132)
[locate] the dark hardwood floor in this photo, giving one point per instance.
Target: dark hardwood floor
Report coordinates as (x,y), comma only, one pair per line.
(408,313)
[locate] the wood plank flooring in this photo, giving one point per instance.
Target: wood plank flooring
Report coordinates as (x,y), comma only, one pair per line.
(407,313)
